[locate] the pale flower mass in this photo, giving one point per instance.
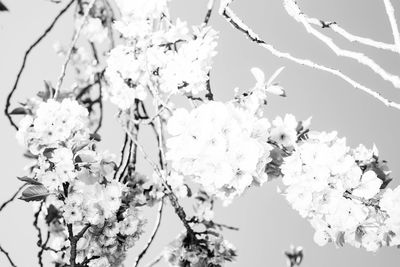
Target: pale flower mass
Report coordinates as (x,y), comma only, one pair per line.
(91,206)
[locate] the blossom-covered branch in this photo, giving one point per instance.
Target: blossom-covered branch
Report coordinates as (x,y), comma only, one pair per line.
(92,208)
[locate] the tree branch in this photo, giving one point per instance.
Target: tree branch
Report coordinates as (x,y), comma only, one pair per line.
(41,37)
(210,6)
(8,256)
(393,23)
(231,17)
(294,11)
(12,198)
(71,48)
(153,234)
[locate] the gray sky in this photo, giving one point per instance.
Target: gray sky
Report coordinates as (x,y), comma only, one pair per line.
(267,224)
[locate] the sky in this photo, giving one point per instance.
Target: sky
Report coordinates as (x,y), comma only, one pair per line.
(268,226)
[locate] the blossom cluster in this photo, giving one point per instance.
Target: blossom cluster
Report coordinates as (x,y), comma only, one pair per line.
(221,146)
(157,54)
(213,251)
(80,185)
(340,191)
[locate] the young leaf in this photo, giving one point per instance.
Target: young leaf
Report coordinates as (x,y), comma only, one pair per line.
(95,137)
(29,180)
(19,111)
(34,193)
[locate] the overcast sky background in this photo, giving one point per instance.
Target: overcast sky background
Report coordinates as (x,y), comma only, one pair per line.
(267,224)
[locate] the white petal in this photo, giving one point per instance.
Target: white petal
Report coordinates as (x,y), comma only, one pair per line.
(276,90)
(258,75)
(276,74)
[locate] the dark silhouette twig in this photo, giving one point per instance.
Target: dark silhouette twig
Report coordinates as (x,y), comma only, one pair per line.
(12,198)
(41,37)
(8,256)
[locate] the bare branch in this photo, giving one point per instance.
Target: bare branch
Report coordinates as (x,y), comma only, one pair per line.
(71,48)
(232,18)
(8,256)
(354,38)
(153,234)
(41,37)
(393,23)
(12,198)
(210,6)
(294,11)
(155,261)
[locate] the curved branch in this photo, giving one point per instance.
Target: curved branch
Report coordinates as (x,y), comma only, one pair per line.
(231,17)
(8,256)
(294,11)
(41,37)
(393,23)
(153,234)
(12,198)
(71,48)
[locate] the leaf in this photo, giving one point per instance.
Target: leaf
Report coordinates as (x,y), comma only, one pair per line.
(47,93)
(95,136)
(29,180)
(3,7)
(19,111)
(48,152)
(34,193)
(258,75)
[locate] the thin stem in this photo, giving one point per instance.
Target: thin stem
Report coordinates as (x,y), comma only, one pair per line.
(210,6)
(393,23)
(12,198)
(153,234)
(155,261)
(2,250)
(41,37)
(71,48)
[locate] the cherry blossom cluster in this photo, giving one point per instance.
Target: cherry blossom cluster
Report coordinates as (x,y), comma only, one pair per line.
(157,53)
(213,250)
(221,146)
(340,191)
(81,184)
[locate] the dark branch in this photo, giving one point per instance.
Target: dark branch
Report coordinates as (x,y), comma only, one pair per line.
(12,198)
(8,257)
(153,235)
(41,37)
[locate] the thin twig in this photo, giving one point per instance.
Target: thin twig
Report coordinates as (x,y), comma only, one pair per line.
(122,156)
(74,241)
(210,6)
(71,49)
(393,23)
(354,38)
(155,261)
(42,249)
(153,234)
(12,198)
(294,11)
(8,256)
(173,199)
(41,37)
(232,18)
